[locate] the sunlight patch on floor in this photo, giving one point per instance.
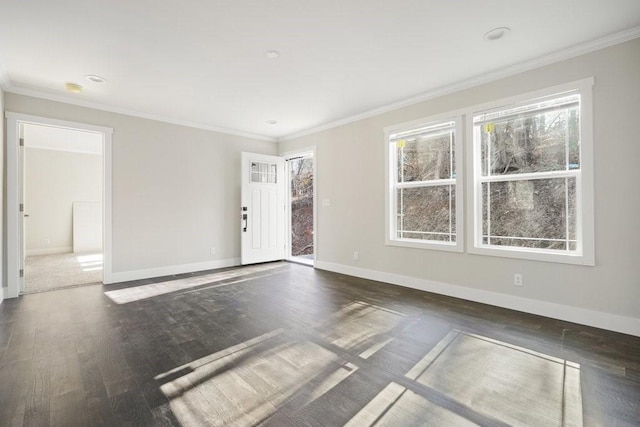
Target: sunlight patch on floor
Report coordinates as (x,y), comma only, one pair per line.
(465,379)
(89,258)
(398,406)
(90,262)
(332,380)
(362,327)
(137,293)
(247,383)
(501,381)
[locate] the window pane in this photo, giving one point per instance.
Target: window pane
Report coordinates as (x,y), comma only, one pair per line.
(537,137)
(535,213)
(427,213)
(425,157)
(571,197)
(264,172)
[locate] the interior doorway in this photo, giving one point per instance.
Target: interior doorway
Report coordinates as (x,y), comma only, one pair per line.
(15,198)
(301,207)
(62,193)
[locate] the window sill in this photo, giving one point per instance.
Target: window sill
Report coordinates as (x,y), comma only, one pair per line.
(534,255)
(419,244)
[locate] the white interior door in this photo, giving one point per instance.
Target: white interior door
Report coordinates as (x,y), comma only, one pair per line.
(263,208)
(22,216)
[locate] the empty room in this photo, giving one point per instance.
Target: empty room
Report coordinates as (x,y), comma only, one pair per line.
(320,213)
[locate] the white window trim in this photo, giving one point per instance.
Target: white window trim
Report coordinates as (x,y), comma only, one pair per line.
(585,201)
(391,238)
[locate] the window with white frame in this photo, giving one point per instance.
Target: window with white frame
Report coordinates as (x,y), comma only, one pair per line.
(530,193)
(423,178)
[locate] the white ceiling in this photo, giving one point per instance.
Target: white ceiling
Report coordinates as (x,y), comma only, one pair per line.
(60,139)
(203,62)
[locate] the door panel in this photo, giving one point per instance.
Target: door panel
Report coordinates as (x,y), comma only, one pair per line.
(263,208)
(272,219)
(23,213)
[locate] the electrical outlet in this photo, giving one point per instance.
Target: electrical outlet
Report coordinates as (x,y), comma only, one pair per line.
(213,251)
(517,279)
(356,256)
(47,241)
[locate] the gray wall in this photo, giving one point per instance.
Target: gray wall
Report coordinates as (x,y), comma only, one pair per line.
(350,171)
(176,190)
(53,181)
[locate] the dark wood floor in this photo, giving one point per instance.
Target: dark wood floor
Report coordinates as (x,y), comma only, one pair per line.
(283,344)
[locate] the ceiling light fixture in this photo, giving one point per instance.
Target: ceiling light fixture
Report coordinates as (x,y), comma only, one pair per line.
(273,54)
(496,33)
(272,122)
(95,78)
(73,87)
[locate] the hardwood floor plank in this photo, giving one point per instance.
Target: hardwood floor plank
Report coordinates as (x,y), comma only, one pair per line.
(14,384)
(66,375)
(131,409)
(118,378)
(164,417)
(98,403)
(20,347)
(37,404)
(69,409)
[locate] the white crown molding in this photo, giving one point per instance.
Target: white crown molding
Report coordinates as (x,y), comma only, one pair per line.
(598,319)
(542,61)
(19,90)
(548,59)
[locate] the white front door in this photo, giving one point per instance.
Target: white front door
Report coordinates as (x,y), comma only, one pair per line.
(262,224)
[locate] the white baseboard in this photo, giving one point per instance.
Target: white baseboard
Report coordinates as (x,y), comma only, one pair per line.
(49,251)
(126,276)
(598,319)
(1,294)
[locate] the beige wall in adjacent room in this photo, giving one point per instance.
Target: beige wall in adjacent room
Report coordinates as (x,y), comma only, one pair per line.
(53,181)
(351,172)
(176,189)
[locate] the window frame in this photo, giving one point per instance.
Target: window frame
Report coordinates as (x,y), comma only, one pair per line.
(391,169)
(584,179)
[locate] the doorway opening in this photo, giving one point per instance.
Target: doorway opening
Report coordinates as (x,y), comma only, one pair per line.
(89,256)
(62,192)
(301,207)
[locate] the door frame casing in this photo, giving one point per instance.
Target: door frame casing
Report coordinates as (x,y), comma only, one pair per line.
(288,155)
(14,169)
